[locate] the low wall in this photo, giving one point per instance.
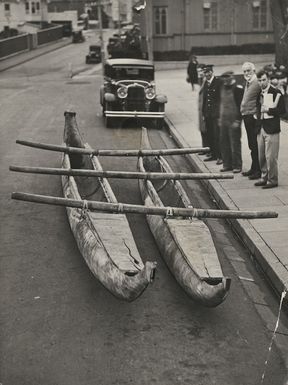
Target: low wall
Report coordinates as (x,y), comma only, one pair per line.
(47,35)
(27,42)
(14,45)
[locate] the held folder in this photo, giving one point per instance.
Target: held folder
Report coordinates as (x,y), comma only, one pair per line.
(268,102)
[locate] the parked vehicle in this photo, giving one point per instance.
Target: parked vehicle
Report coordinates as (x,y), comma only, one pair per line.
(127,44)
(77,36)
(94,55)
(129,91)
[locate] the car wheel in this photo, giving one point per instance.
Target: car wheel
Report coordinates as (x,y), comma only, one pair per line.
(159,122)
(109,122)
(108,119)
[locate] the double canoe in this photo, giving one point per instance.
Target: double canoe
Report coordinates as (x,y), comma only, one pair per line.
(186,245)
(104,239)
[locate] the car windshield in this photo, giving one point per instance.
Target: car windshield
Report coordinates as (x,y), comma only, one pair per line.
(130,72)
(95,48)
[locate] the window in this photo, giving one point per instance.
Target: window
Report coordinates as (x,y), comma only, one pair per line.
(210,13)
(38,7)
(160,20)
(33,10)
(27,7)
(7,9)
(259,14)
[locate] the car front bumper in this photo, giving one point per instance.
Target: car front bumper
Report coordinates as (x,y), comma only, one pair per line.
(135,114)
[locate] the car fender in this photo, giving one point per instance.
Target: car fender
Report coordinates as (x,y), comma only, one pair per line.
(101,95)
(108,97)
(161,99)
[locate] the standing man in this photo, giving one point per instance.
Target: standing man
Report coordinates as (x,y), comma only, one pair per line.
(230,123)
(192,73)
(248,110)
(270,105)
(202,127)
(210,111)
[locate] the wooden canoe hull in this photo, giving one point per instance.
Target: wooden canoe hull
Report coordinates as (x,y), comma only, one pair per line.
(199,275)
(90,245)
(207,293)
(117,266)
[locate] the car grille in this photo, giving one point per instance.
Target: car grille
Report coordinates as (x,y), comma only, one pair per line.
(135,99)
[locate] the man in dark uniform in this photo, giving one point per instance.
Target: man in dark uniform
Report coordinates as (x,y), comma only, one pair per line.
(210,111)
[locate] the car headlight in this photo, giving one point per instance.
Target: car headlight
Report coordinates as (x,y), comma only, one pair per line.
(122,92)
(150,93)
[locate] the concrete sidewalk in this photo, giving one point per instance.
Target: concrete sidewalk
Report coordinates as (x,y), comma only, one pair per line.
(266,239)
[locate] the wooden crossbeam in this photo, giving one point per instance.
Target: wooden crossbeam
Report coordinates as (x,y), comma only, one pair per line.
(120,174)
(137,153)
(138,209)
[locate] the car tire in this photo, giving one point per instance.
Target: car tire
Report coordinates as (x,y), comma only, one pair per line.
(159,122)
(109,123)
(108,119)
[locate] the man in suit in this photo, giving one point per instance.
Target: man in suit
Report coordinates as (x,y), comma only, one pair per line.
(270,106)
(248,111)
(210,112)
(202,128)
(230,123)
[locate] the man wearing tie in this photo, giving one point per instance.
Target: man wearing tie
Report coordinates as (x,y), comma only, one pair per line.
(210,112)
(270,106)
(248,111)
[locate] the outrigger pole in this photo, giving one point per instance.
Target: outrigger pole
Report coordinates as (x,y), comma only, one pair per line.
(120,174)
(138,209)
(91,151)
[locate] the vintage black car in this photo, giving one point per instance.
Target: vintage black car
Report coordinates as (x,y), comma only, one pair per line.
(129,92)
(77,36)
(94,55)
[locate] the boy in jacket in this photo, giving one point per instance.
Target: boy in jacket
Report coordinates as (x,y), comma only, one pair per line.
(270,106)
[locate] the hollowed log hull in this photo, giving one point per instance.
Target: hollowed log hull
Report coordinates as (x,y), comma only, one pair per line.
(202,280)
(104,240)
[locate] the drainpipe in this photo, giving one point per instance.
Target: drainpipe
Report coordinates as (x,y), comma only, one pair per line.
(99,7)
(184,25)
(149,29)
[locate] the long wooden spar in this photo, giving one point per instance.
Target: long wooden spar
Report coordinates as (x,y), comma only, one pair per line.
(137,153)
(120,174)
(138,209)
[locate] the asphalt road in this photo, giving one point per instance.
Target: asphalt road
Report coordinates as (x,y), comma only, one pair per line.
(59,326)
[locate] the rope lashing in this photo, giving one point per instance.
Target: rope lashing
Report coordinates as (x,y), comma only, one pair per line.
(195,213)
(84,210)
(85,205)
(169,212)
(120,208)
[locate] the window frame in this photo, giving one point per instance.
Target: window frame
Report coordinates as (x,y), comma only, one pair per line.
(260,15)
(7,9)
(160,24)
(33,7)
(37,8)
(210,16)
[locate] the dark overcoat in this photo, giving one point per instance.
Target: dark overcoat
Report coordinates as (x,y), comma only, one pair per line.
(211,98)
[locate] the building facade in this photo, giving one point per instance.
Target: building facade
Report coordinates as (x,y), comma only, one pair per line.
(15,13)
(180,25)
